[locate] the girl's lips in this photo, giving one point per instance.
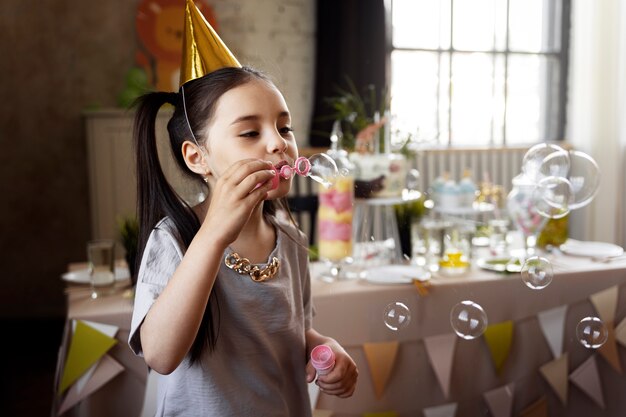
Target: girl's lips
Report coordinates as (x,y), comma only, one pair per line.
(281,164)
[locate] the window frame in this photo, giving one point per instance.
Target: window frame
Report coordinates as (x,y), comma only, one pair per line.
(562,56)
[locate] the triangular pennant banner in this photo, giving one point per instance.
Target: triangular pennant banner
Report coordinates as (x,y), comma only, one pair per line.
(537,409)
(499,338)
(620,332)
(552,324)
(108,329)
(586,378)
(440,351)
(446,410)
(500,400)
(87,346)
(381,358)
(605,303)
(105,371)
(609,349)
(555,372)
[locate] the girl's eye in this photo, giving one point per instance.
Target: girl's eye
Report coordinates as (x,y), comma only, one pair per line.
(286,130)
(251,134)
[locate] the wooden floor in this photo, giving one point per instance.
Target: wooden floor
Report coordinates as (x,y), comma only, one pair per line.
(29,353)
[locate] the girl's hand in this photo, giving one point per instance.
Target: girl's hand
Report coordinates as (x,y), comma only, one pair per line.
(234,197)
(341,381)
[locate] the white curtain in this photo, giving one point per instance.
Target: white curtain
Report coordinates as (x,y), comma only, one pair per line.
(597,112)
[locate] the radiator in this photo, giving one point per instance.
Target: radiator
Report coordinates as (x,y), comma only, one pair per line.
(498,165)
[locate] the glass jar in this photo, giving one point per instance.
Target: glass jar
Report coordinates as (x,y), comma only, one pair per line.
(522,204)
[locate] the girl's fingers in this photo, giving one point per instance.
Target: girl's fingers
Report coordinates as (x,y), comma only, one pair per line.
(254,181)
(240,170)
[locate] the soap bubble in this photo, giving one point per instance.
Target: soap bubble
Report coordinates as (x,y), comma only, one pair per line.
(584,176)
(556,191)
(413,179)
(591,332)
(323,169)
(545,160)
(344,172)
(537,273)
(396,316)
(468,320)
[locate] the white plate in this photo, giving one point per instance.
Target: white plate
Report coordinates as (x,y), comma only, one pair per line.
(591,249)
(81,276)
(396,274)
(500,264)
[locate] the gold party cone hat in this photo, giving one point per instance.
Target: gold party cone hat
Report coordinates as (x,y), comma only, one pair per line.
(203,50)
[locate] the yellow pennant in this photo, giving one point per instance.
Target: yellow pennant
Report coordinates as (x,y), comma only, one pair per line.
(499,338)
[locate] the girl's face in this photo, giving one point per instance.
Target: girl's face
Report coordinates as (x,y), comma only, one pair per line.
(251,121)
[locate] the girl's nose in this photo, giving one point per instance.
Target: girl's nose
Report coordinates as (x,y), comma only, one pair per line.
(277,144)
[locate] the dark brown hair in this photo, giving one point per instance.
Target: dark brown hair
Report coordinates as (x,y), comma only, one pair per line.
(156,197)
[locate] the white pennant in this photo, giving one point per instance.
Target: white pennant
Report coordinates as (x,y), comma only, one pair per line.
(446,410)
(500,400)
(440,351)
(587,378)
(552,324)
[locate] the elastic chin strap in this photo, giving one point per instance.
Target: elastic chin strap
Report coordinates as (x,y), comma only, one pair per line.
(182,91)
(204,155)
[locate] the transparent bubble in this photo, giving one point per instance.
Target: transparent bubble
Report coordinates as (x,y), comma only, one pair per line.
(413,179)
(323,169)
(584,176)
(591,332)
(468,319)
(555,195)
(396,316)
(545,160)
(344,172)
(537,273)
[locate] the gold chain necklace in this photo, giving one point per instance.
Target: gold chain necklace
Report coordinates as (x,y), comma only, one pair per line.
(243,266)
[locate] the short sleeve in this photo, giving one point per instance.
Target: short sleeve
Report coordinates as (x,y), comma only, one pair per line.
(161,257)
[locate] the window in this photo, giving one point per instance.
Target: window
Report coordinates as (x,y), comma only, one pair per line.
(480,72)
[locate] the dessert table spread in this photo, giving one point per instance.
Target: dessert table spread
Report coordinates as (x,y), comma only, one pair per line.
(407,371)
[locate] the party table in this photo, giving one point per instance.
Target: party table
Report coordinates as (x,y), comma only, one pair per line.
(428,358)
(424,364)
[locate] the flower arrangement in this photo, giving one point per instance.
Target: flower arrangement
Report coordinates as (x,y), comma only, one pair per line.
(362,115)
(357,112)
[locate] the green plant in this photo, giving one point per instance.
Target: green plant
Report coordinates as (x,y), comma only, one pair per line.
(129,235)
(408,214)
(356,110)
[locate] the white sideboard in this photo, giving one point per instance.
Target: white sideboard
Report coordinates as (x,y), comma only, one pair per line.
(111,164)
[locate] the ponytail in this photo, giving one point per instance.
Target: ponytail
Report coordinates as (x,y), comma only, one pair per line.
(157,199)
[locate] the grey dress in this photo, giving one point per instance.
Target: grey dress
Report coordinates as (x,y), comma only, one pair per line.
(258,366)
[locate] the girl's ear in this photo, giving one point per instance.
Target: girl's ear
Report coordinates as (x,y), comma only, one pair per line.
(195,158)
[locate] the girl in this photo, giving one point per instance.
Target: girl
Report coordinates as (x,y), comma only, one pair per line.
(230,336)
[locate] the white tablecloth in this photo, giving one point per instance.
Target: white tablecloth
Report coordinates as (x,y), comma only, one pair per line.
(352,312)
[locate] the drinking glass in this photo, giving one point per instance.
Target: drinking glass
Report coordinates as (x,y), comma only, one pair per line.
(101,257)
